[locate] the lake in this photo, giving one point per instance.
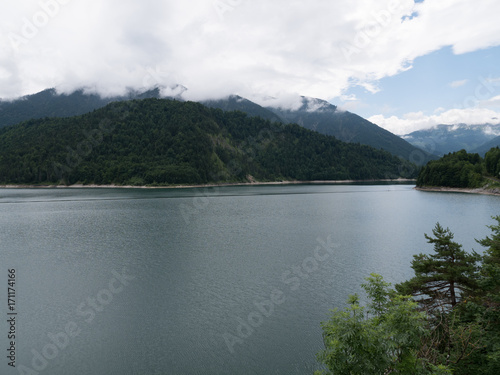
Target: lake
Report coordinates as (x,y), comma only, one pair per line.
(229,280)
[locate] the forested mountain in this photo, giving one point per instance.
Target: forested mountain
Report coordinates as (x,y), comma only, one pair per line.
(48,103)
(484,148)
(314,114)
(444,139)
(463,170)
(158,141)
(325,118)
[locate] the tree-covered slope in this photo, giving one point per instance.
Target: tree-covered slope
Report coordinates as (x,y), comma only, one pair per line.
(157,141)
(325,118)
(314,114)
(462,170)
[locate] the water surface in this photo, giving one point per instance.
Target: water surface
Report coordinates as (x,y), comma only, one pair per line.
(202,262)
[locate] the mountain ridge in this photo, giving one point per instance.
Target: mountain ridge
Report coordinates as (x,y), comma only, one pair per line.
(314,114)
(165,142)
(443,139)
(326,118)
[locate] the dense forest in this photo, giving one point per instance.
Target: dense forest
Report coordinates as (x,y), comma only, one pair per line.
(314,114)
(165,142)
(462,170)
(445,320)
(326,118)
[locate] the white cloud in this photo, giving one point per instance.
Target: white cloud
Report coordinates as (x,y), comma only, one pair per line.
(292,101)
(457,84)
(413,121)
(249,47)
(348,98)
(352,105)
(492,130)
(493,102)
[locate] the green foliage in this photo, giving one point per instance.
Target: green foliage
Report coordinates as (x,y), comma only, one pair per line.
(485,308)
(444,277)
(453,327)
(492,162)
(327,120)
(382,338)
(349,127)
(164,142)
(465,334)
(458,169)
(492,256)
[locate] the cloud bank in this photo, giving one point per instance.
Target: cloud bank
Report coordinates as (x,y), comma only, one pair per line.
(418,120)
(254,48)
(481,107)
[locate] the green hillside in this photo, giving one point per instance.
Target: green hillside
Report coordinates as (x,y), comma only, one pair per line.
(314,114)
(457,169)
(161,142)
(462,170)
(325,118)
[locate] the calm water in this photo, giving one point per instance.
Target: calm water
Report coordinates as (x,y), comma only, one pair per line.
(118,281)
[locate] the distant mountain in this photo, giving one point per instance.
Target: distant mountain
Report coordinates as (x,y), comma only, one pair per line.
(163,142)
(314,114)
(237,103)
(484,148)
(444,139)
(326,118)
(49,103)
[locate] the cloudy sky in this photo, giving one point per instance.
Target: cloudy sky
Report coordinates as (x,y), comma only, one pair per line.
(403,64)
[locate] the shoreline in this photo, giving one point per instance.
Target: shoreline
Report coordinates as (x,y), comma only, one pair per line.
(443,189)
(185,186)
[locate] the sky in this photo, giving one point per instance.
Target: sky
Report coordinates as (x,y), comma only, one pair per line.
(402,64)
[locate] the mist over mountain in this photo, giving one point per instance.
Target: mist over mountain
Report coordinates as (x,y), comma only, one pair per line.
(165,142)
(49,103)
(323,117)
(484,148)
(237,103)
(444,139)
(313,114)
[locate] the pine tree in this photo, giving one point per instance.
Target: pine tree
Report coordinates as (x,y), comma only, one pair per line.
(492,253)
(488,301)
(444,277)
